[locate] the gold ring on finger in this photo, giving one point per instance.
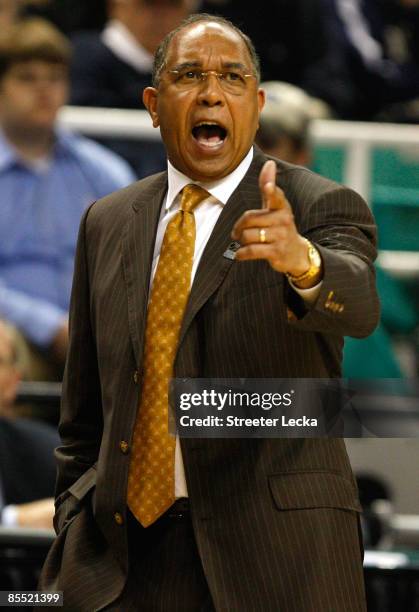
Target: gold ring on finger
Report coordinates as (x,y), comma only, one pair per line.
(262,235)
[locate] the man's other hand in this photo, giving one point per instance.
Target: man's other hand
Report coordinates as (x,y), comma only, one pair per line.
(37,514)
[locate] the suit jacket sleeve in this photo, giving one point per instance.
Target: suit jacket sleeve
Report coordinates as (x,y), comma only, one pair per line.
(340,224)
(81,422)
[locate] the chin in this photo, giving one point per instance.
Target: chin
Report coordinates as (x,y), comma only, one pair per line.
(208,176)
(208,171)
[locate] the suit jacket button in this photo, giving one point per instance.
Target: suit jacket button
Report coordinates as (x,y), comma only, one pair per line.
(124,447)
(136,377)
(119,520)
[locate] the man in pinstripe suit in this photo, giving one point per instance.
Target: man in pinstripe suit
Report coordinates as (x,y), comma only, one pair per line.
(259,525)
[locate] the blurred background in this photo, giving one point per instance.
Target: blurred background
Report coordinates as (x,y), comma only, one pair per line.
(342,84)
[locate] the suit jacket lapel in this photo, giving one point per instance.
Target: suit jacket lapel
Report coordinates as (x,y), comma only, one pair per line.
(213,266)
(137,256)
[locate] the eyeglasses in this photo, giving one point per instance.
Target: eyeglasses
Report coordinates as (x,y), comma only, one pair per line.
(232,81)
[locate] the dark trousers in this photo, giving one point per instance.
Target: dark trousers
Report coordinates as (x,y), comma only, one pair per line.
(165,573)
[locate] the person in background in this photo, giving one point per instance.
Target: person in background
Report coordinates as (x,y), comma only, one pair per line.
(378,44)
(47,179)
(285,120)
(119,67)
(294,44)
(112,67)
(27,467)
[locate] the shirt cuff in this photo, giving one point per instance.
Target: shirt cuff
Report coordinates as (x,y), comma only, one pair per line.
(9,516)
(308,295)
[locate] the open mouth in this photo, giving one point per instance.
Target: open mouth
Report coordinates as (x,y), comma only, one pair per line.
(209,134)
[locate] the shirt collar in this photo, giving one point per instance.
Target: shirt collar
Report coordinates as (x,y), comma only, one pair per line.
(221,190)
(126,47)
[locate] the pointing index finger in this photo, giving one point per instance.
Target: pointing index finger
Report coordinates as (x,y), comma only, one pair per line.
(267,181)
(273,197)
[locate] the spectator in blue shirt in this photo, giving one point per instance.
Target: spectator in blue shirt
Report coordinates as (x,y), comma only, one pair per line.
(47,178)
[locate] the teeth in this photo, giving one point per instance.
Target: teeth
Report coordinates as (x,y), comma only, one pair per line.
(212,144)
(208,138)
(207,123)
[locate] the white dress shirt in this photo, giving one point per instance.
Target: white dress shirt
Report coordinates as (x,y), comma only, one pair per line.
(126,47)
(206,216)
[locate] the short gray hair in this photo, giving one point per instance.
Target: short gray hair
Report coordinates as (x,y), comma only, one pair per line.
(162,50)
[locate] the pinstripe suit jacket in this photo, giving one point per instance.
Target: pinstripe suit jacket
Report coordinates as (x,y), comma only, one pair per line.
(276,521)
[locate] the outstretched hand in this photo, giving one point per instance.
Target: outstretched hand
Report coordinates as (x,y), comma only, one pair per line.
(270,232)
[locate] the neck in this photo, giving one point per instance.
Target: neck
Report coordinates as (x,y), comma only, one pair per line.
(31,144)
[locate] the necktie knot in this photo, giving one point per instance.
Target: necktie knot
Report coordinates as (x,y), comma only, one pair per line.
(192,195)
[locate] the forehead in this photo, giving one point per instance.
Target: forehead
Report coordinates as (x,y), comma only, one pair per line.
(205,41)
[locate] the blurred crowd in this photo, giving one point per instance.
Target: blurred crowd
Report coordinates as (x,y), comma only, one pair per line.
(359,56)
(348,59)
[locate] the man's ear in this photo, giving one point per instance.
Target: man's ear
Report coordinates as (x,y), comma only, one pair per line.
(150,102)
(261,100)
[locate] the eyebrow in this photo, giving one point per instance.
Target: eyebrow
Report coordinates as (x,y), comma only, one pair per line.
(184,65)
(237,65)
(198,64)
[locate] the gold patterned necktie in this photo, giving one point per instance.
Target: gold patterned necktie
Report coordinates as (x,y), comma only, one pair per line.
(151,479)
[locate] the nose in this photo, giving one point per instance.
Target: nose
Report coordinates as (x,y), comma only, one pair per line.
(210,91)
